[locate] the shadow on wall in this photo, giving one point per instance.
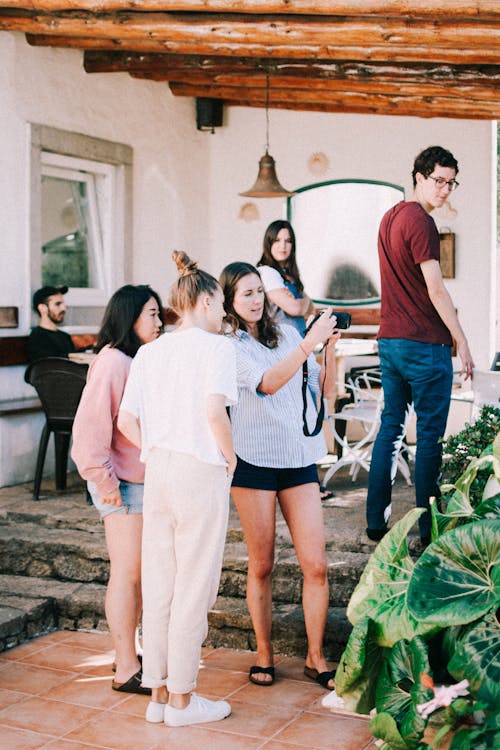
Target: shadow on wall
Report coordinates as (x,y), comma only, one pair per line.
(349,281)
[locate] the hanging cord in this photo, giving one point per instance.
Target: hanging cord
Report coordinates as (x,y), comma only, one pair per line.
(267,111)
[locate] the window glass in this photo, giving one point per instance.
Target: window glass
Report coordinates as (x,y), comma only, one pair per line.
(69,252)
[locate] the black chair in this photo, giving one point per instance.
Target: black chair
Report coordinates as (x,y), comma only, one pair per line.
(59,383)
(495,365)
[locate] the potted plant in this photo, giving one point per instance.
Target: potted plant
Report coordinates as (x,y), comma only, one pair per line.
(434,620)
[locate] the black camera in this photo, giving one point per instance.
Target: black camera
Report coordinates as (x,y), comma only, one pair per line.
(343,320)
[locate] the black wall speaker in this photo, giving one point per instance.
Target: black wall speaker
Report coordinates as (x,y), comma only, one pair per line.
(208,113)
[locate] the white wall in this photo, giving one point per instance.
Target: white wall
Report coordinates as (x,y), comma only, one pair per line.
(170,175)
(363,147)
(171,159)
(186,183)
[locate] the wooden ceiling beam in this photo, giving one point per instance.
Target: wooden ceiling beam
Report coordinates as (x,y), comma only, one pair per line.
(397,87)
(393,53)
(281,37)
(328,101)
(290,73)
(96,61)
(459,9)
(413,109)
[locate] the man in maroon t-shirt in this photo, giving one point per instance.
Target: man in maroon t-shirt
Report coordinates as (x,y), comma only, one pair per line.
(418,325)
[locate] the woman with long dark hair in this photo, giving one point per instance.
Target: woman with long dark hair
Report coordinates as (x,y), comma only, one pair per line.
(276,460)
(281,278)
(110,463)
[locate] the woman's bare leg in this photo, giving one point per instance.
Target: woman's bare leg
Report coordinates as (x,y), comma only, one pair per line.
(257,509)
(301,508)
(123,595)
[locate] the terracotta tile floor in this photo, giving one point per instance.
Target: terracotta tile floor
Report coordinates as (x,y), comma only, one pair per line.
(55,693)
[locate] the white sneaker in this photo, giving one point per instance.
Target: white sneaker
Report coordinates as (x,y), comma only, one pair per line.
(155,712)
(199,711)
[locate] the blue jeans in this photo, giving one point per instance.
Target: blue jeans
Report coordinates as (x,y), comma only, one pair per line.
(422,373)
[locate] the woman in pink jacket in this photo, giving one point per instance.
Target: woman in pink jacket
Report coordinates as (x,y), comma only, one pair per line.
(110,464)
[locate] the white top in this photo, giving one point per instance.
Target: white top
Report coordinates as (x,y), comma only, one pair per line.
(271,278)
(169,382)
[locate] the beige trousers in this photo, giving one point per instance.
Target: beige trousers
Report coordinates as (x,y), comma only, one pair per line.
(186,503)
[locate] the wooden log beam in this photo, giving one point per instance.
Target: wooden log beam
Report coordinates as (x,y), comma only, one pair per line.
(400,87)
(455,10)
(391,53)
(96,61)
(328,101)
(483,80)
(291,37)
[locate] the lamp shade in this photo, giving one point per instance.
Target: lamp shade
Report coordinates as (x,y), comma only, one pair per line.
(267,184)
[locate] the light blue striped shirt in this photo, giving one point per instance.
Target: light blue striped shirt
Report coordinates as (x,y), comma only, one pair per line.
(267,430)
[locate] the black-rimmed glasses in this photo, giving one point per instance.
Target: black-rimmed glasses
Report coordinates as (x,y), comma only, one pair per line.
(441,182)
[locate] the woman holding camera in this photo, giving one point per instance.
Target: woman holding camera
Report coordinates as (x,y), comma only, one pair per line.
(281,278)
(276,459)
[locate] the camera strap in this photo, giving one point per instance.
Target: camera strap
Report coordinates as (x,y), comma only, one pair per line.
(321,412)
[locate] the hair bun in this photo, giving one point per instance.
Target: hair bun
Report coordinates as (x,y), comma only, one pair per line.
(185,265)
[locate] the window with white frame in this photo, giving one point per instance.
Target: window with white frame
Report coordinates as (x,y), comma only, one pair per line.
(79,220)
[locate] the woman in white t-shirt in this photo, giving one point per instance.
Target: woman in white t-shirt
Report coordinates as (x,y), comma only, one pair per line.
(174,409)
(281,278)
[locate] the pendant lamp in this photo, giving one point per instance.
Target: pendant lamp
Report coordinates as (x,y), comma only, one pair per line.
(267,184)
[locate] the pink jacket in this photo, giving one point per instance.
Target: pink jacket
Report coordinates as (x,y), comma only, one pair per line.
(102,454)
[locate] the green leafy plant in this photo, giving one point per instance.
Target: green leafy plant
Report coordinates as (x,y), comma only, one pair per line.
(469,443)
(437,615)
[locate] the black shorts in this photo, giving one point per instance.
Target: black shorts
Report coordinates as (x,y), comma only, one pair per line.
(263,478)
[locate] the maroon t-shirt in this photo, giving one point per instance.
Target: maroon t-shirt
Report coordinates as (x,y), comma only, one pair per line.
(407,237)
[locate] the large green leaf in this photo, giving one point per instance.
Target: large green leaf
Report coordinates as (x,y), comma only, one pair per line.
(399,688)
(457,579)
(459,508)
(477,659)
(359,666)
(483,737)
(381,591)
(385,728)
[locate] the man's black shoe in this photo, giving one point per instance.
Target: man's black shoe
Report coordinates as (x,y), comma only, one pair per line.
(376,534)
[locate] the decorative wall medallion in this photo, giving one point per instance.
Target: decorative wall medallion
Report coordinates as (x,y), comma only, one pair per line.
(318,163)
(249,212)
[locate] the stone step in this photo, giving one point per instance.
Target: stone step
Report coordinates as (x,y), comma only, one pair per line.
(78,555)
(230,626)
(22,618)
(30,606)
(29,549)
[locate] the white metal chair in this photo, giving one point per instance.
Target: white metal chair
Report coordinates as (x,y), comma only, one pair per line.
(365,410)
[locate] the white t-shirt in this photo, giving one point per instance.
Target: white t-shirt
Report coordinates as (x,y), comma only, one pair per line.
(271,278)
(168,386)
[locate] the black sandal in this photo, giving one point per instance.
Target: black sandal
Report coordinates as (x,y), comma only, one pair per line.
(261,670)
(322,678)
(133,685)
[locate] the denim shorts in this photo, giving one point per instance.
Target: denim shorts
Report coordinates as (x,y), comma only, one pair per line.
(132,494)
(263,478)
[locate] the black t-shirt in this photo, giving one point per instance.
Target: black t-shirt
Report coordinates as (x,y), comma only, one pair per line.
(43,342)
